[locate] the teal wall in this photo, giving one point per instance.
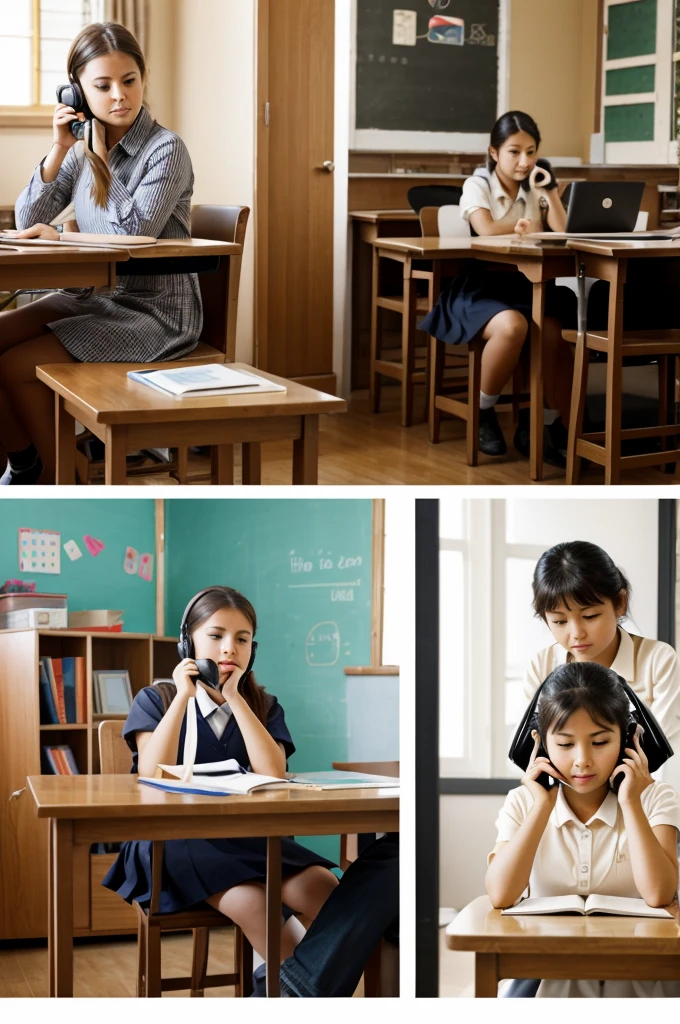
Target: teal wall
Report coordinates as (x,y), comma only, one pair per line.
(89,582)
(283,554)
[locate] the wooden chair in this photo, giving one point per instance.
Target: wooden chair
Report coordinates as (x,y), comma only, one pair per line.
(381,974)
(604,447)
(459,395)
(219,296)
(410,367)
(115,758)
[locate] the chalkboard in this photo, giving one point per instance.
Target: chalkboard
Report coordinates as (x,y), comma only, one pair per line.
(91,581)
(306,567)
(631,29)
(430,86)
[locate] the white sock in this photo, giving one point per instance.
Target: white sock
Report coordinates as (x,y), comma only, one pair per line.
(549,416)
(487,401)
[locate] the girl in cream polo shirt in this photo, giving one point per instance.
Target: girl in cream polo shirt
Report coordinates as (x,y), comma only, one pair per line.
(582,836)
(580,594)
(507,197)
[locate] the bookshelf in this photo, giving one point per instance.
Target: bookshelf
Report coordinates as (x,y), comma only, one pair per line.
(23,838)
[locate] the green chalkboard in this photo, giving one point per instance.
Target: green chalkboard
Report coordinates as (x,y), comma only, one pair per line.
(623,81)
(633,122)
(631,29)
(90,581)
(306,567)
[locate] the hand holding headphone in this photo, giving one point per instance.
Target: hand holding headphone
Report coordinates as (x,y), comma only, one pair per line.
(208,672)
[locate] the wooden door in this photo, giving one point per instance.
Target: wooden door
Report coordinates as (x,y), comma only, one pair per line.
(294,195)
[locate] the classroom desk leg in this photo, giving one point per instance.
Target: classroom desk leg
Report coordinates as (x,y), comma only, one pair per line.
(612,423)
(408,345)
(115,466)
(536,387)
(222,464)
(60,937)
(375,380)
(65,440)
(306,452)
(486,975)
(251,463)
(273,925)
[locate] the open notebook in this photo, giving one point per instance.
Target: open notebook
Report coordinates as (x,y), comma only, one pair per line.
(620,906)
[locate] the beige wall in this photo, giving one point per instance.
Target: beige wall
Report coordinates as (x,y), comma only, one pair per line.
(467,834)
(552,70)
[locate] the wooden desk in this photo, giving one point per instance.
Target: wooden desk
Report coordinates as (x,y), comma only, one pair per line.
(111,808)
(538,261)
(564,946)
(366,226)
(126,415)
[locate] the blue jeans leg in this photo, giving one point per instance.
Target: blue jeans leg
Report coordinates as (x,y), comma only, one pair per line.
(365,905)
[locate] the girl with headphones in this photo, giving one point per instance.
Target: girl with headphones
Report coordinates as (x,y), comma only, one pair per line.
(129,176)
(605,827)
(582,596)
(236,718)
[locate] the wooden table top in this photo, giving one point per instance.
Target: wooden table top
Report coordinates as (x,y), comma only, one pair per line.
(376,216)
(163,248)
(626,250)
(481,928)
(122,796)
(445,248)
(106,393)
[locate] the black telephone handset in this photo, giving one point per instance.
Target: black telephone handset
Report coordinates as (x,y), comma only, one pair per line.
(628,741)
(72,95)
(209,673)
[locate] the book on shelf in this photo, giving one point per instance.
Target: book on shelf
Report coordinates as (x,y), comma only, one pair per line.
(60,760)
(199,381)
(63,701)
(619,906)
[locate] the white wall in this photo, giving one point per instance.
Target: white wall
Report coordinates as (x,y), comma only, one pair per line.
(467,834)
(215,61)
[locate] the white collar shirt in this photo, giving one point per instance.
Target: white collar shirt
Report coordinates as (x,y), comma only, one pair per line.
(578,859)
(216,715)
(483,191)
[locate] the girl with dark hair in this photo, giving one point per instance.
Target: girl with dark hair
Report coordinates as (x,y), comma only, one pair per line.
(581,596)
(239,720)
(580,836)
(508,197)
(128,177)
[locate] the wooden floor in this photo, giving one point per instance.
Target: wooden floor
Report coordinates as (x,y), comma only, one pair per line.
(109,969)
(361,448)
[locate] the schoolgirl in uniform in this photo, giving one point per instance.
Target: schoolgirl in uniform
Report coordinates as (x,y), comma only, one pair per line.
(129,177)
(239,720)
(581,595)
(625,841)
(497,306)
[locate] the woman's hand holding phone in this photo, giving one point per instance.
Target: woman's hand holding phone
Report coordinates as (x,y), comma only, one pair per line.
(184,678)
(61,125)
(635,770)
(537,765)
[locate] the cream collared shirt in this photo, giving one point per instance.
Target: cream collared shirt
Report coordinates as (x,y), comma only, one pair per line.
(576,858)
(216,715)
(483,191)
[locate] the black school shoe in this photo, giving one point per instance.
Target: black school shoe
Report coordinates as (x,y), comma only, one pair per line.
(554,440)
(491,440)
(22,477)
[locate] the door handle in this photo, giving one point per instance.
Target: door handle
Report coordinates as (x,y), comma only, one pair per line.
(328,166)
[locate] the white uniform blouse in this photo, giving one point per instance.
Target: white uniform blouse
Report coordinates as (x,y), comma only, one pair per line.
(483,191)
(576,858)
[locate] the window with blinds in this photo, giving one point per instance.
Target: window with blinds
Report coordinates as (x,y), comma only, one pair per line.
(35,36)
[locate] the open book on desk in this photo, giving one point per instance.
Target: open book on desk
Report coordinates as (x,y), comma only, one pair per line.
(343,780)
(203,381)
(220,778)
(618,906)
(79,238)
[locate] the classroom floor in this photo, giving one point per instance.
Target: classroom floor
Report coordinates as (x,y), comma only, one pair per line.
(361,448)
(109,969)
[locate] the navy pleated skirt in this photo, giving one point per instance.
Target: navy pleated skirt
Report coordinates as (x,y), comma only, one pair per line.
(194,869)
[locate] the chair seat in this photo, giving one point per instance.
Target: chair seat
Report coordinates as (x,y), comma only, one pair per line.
(204,354)
(633,343)
(194,917)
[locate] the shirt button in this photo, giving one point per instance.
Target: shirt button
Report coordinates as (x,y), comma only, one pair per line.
(584,835)
(584,868)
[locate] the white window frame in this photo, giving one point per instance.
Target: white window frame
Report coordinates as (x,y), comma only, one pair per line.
(376,140)
(662,149)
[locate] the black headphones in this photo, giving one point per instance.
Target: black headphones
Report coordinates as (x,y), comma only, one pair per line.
(73,96)
(652,740)
(208,671)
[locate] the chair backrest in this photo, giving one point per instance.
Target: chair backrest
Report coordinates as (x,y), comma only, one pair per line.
(115,757)
(443,222)
(219,291)
(433,195)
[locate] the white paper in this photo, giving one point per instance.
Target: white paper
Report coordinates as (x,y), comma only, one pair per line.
(39,551)
(404,28)
(72,550)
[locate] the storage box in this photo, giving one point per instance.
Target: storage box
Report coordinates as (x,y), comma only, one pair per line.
(17,606)
(98,620)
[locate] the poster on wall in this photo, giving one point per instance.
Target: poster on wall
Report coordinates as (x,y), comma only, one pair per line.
(427,69)
(39,551)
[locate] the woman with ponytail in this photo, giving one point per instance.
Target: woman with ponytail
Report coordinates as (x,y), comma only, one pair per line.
(129,176)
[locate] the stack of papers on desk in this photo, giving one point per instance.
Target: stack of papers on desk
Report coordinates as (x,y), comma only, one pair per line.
(206,380)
